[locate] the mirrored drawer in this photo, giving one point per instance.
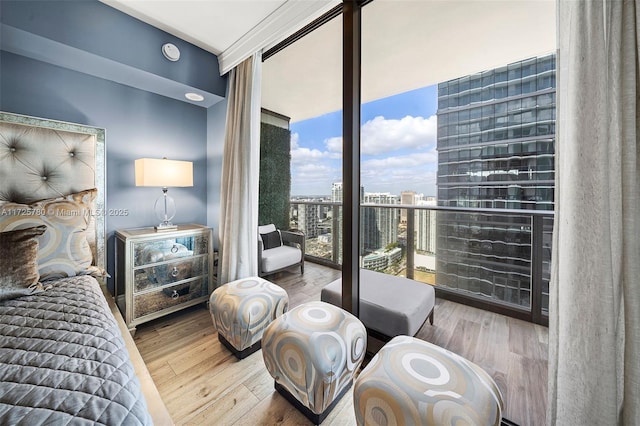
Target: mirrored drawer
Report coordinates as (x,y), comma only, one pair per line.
(169,272)
(148,252)
(163,298)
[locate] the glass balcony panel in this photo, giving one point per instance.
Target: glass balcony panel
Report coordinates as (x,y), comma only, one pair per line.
(475,81)
(546,99)
(515,88)
(485,255)
(500,75)
(443,88)
(528,67)
(488,111)
(478,252)
(454,87)
(529,86)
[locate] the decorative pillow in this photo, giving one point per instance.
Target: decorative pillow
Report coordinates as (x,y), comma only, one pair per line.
(19,262)
(63,249)
(271,240)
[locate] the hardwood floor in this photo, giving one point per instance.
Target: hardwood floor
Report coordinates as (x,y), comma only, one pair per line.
(203,384)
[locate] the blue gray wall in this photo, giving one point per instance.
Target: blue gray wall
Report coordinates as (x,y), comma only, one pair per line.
(139,123)
(216,116)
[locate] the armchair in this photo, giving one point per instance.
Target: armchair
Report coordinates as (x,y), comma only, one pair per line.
(279,250)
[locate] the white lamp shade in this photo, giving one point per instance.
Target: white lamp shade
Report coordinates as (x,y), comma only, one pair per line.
(163,172)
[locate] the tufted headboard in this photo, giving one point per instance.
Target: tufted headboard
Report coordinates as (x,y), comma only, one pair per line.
(42,159)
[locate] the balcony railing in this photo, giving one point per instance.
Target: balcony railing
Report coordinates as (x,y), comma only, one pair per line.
(494,259)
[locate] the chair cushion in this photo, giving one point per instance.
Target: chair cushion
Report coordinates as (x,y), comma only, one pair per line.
(265,229)
(242,309)
(388,304)
(313,352)
(271,240)
(411,381)
(280,257)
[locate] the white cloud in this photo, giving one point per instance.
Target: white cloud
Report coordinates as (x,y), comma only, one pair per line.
(334,144)
(426,160)
(314,178)
(313,170)
(295,138)
(398,173)
(381,136)
(301,155)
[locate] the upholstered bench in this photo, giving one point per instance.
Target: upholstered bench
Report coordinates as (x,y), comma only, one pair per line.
(313,353)
(413,382)
(242,309)
(389,305)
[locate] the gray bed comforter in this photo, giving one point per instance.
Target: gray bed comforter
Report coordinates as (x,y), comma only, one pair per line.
(63,360)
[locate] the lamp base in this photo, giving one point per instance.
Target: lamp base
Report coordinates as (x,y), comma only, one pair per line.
(165,227)
(165,209)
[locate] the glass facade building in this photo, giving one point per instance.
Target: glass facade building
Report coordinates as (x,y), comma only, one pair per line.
(496,144)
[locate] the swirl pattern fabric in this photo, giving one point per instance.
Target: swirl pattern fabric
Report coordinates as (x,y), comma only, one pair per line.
(64,249)
(413,382)
(242,309)
(314,351)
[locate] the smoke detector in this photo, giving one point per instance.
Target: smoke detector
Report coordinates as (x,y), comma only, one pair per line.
(171,51)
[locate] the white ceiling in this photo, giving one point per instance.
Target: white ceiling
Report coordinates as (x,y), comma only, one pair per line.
(213,25)
(407,44)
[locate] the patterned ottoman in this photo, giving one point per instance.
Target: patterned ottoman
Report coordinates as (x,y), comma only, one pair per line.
(413,382)
(313,353)
(242,309)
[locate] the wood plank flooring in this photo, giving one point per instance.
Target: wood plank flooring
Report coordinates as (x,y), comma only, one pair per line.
(203,384)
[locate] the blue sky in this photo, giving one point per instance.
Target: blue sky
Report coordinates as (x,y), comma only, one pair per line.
(398,147)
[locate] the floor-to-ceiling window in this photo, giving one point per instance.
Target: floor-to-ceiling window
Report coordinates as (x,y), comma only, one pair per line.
(457,113)
(458,128)
(303,81)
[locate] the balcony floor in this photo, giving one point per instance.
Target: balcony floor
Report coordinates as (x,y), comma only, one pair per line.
(202,383)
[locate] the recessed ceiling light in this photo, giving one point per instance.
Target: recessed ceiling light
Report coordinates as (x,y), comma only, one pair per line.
(194,97)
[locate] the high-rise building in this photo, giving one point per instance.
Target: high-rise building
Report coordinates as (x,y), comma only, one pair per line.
(426,227)
(337,197)
(496,145)
(308,219)
(379,225)
(408,198)
(336,192)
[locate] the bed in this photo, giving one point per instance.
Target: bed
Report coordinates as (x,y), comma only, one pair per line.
(65,354)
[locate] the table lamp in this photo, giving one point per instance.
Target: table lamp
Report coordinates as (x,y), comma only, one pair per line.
(164,173)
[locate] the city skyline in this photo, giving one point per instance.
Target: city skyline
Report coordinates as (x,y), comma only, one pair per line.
(398,147)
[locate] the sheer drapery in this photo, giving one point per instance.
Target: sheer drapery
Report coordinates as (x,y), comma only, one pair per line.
(594,325)
(240,173)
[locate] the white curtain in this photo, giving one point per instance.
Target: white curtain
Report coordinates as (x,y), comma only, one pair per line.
(240,173)
(594,325)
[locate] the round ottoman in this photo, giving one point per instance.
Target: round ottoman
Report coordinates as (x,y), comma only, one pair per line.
(313,353)
(242,309)
(413,382)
